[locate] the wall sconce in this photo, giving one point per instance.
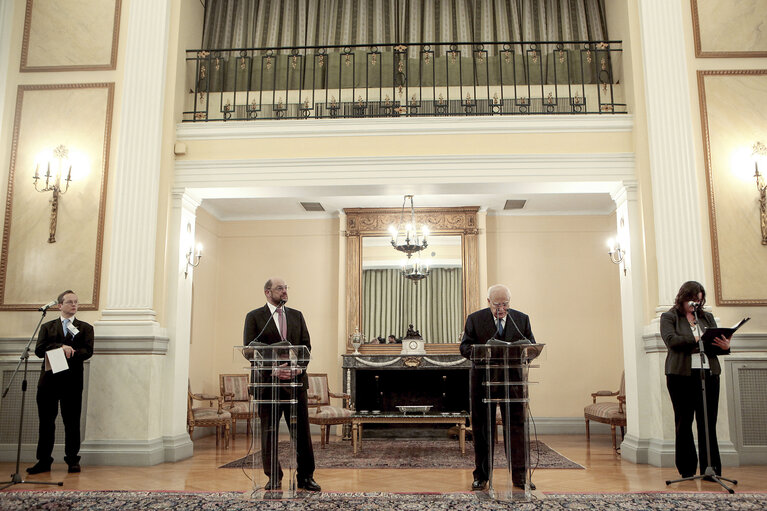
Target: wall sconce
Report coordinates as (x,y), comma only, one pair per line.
(193,260)
(53,184)
(616,253)
(759,151)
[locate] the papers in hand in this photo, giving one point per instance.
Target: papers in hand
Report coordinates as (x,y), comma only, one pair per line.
(711,334)
(56,361)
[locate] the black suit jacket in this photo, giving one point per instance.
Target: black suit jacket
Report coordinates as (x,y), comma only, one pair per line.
(51,336)
(680,341)
(481,326)
(298,334)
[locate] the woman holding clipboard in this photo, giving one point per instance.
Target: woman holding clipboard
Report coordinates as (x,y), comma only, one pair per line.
(684,365)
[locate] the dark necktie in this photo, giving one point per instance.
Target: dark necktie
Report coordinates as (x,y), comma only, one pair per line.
(500,329)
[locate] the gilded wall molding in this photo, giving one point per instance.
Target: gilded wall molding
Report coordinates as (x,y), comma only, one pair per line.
(715,54)
(712,203)
(94,304)
(441,221)
(26,68)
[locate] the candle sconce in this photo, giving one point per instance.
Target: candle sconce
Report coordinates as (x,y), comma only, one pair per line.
(53,184)
(193,259)
(759,151)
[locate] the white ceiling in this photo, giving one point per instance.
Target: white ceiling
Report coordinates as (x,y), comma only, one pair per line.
(289,206)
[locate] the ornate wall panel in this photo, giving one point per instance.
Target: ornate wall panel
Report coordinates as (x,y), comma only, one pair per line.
(70,35)
(724,28)
(733,108)
(33,270)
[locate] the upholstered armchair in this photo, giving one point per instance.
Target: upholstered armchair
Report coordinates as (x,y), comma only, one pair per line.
(234,389)
(320,410)
(208,416)
(612,413)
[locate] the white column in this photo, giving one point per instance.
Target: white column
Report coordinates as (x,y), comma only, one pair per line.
(676,207)
(126,400)
(181,230)
(629,235)
(130,283)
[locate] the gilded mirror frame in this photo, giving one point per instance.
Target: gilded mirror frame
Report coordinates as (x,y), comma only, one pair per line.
(362,222)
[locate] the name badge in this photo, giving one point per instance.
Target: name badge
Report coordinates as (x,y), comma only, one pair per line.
(72,328)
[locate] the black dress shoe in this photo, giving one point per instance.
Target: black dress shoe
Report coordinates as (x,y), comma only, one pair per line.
(308,484)
(39,468)
(273,484)
(74,469)
(478,484)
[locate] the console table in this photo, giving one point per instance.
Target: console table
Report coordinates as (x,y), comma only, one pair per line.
(458,419)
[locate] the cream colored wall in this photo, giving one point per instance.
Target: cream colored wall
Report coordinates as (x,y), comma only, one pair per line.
(22,323)
(727,26)
(229,283)
(532,143)
(72,33)
(559,274)
(737,111)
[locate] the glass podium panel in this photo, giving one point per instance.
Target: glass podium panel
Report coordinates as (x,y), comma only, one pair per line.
(503,370)
(277,373)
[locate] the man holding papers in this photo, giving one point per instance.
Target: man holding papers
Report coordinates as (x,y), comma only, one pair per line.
(73,338)
(497,321)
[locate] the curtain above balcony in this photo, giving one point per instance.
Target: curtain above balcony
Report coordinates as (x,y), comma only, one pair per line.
(233,24)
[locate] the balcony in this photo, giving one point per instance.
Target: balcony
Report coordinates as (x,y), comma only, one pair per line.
(397,80)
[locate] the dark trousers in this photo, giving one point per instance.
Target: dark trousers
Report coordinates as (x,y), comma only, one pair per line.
(687,399)
(55,389)
(269,415)
(484,433)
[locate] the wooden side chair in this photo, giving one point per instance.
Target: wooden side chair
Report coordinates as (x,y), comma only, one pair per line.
(234,389)
(207,416)
(612,413)
(320,410)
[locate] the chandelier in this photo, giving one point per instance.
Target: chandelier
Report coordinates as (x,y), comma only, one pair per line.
(414,269)
(405,237)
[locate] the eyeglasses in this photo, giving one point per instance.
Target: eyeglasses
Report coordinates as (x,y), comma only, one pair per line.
(505,305)
(69,302)
(280,289)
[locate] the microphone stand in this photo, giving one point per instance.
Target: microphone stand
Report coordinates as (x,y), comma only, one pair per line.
(709,473)
(16,477)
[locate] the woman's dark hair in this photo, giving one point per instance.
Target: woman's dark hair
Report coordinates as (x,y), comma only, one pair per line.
(689,292)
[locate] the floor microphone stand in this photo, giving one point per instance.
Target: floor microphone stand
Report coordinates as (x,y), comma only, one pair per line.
(709,474)
(16,477)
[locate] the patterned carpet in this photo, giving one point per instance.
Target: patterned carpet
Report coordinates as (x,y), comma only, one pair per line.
(231,501)
(412,453)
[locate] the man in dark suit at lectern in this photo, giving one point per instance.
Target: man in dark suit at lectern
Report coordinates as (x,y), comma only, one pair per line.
(500,322)
(75,337)
(275,323)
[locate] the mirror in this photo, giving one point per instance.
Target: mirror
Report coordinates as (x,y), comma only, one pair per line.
(391,302)
(454,241)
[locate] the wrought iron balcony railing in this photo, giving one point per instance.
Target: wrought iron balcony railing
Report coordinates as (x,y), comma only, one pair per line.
(388,80)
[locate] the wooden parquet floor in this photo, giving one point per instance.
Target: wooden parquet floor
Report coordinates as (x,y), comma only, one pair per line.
(605,472)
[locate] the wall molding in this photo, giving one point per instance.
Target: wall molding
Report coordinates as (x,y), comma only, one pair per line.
(715,54)
(25,68)
(102,345)
(110,87)
(713,226)
(319,128)
(259,172)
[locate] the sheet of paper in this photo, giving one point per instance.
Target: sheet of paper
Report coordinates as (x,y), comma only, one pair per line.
(56,361)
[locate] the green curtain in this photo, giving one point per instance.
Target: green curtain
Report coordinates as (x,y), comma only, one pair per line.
(434,305)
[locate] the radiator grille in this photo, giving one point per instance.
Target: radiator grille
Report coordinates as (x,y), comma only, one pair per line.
(753,405)
(11,407)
